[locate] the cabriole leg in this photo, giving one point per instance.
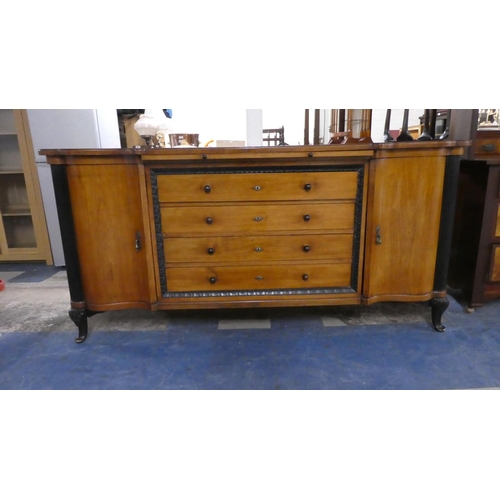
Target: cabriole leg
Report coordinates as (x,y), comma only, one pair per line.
(79,317)
(438,307)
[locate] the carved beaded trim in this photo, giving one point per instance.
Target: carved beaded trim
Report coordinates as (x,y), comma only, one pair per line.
(258,293)
(159,231)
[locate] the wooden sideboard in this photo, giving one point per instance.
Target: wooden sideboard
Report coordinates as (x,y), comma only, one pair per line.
(256,227)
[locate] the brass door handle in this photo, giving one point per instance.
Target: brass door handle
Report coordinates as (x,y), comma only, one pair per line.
(378,236)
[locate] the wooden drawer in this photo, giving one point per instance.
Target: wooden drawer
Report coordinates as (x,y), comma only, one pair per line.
(487,146)
(197,279)
(495,264)
(258,248)
(255,219)
(257,187)
(497,227)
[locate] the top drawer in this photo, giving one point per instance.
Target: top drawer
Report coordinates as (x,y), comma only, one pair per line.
(182,188)
(487,144)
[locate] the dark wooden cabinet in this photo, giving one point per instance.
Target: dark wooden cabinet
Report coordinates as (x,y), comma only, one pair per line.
(475,254)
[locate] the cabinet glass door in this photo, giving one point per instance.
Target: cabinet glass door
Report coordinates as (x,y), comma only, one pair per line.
(17,233)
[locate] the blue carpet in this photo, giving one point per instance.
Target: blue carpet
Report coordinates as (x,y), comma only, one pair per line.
(196,355)
(298,352)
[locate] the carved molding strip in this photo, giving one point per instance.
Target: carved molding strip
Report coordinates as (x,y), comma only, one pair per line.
(258,170)
(358,214)
(159,231)
(255,293)
(258,293)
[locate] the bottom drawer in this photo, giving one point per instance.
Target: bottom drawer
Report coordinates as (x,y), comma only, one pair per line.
(219,278)
(495,264)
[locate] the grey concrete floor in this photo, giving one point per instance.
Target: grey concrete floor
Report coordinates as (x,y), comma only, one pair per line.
(43,307)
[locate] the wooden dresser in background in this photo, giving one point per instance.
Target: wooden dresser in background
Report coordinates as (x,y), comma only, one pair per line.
(475,255)
(256,227)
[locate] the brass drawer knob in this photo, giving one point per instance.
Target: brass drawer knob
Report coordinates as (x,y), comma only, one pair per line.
(259,278)
(258,219)
(207,189)
(305,277)
(307,187)
(213,280)
(307,218)
(259,249)
(306,248)
(257,188)
(210,251)
(209,220)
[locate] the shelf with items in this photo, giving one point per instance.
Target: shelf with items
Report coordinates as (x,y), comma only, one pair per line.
(11,171)
(23,229)
(19,233)
(16,211)
(7,122)
(10,153)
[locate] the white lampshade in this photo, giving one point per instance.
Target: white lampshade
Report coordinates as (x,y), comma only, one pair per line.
(146,125)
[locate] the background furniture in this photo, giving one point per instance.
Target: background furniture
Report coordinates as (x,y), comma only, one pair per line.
(274,136)
(475,255)
(23,231)
(348,125)
(256,227)
(438,124)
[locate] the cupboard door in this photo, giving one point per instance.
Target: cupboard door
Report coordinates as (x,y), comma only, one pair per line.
(113,246)
(404,214)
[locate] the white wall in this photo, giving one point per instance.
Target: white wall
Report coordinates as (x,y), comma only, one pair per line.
(290,118)
(231,124)
(210,122)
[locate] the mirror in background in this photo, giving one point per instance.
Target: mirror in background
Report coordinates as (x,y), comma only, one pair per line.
(328,121)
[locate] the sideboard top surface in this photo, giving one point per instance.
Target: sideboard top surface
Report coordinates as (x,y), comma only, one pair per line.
(357,150)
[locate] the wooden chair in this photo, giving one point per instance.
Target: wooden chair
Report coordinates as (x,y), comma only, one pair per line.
(274,137)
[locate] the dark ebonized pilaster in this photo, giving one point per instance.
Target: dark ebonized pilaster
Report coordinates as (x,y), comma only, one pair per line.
(447,217)
(439,305)
(65,214)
